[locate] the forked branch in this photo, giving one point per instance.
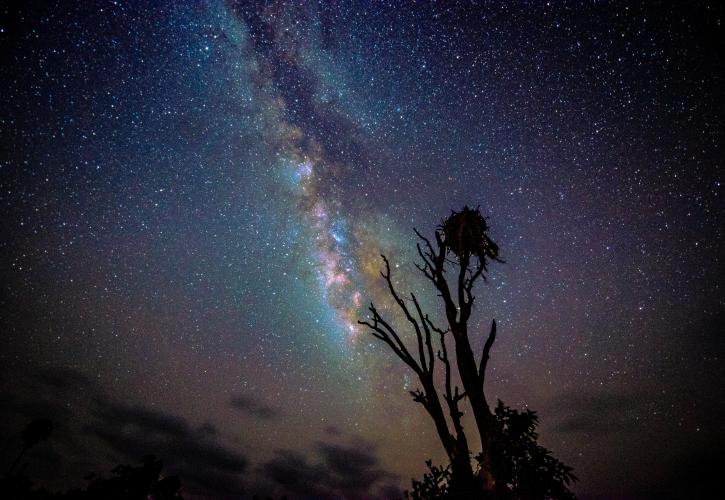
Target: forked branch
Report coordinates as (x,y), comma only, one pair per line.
(382,330)
(403,307)
(451,396)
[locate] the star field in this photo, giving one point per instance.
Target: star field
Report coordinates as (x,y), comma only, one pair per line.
(195,197)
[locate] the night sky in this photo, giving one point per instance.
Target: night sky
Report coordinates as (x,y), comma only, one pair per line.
(194,197)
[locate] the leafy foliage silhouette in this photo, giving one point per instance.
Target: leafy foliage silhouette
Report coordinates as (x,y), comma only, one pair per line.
(434,484)
(523,468)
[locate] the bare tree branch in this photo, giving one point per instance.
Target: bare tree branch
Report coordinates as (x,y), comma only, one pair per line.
(463,306)
(427,267)
(427,242)
(419,397)
(486,352)
(383,331)
(452,397)
(436,329)
(434,270)
(468,285)
(426,329)
(419,336)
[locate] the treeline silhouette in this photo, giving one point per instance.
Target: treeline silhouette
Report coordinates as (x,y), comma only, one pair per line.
(127,482)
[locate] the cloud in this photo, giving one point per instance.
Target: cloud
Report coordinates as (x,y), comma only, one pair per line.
(332,430)
(63,379)
(143,419)
(689,474)
(94,431)
(598,413)
(194,454)
(208,429)
(354,470)
(291,471)
(88,423)
(341,471)
(59,394)
(254,407)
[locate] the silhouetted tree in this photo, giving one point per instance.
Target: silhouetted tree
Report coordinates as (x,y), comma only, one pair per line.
(462,247)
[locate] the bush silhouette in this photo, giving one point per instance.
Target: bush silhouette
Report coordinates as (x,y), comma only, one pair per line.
(524,469)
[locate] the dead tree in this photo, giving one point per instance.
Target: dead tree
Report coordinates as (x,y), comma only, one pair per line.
(461,245)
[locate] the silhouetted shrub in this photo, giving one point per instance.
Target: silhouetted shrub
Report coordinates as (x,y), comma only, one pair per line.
(524,470)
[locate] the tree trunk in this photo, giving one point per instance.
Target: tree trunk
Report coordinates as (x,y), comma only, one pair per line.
(474,390)
(463,484)
(456,448)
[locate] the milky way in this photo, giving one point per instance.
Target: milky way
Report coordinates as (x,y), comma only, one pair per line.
(196,196)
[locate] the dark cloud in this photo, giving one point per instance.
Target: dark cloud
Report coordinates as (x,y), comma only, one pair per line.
(347,461)
(52,393)
(93,432)
(598,413)
(331,430)
(144,419)
(342,471)
(208,429)
(291,471)
(254,407)
(80,410)
(192,453)
(63,379)
(355,470)
(694,474)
